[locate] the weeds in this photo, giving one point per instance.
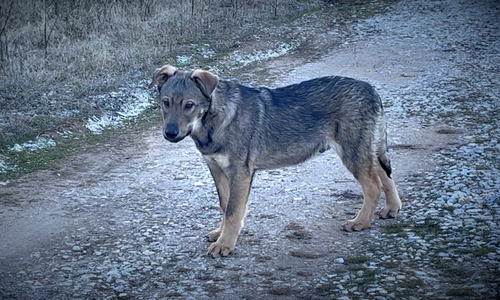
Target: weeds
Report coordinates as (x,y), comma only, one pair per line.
(357,259)
(324,288)
(30,161)
(391,264)
(478,251)
(281,291)
(55,54)
(458,292)
(430,226)
(455,275)
(58,57)
(413,283)
(397,227)
(367,274)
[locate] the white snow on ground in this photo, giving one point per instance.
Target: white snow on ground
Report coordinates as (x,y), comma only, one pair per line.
(123,105)
(136,103)
(262,55)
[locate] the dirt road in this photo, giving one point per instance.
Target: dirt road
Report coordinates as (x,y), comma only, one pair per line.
(128,219)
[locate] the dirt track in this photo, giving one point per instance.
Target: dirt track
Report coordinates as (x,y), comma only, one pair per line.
(128,220)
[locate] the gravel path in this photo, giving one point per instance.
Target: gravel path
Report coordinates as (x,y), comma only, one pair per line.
(127,219)
(446,245)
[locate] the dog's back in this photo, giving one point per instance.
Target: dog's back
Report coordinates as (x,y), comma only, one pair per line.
(291,124)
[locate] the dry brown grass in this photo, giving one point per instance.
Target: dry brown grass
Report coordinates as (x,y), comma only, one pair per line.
(55,53)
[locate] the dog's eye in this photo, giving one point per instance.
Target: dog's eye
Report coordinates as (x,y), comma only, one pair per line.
(189,104)
(166,103)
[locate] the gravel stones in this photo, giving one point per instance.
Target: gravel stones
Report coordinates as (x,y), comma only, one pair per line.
(134,227)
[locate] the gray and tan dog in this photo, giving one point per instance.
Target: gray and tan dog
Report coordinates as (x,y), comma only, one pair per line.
(240,130)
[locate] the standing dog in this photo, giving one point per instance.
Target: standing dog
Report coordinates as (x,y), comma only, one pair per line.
(240,130)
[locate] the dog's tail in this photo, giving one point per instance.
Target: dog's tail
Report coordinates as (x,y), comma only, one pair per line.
(381,147)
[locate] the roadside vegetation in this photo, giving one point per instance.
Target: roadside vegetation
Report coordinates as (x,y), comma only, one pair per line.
(57,56)
(69,69)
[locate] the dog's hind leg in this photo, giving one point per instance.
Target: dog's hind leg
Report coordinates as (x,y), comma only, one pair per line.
(222,185)
(372,187)
(392,201)
(384,170)
(239,189)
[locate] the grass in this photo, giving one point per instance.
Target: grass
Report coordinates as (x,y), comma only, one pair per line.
(65,51)
(357,259)
(56,56)
(455,275)
(324,288)
(391,264)
(430,226)
(84,141)
(368,274)
(30,161)
(458,292)
(281,291)
(478,251)
(396,228)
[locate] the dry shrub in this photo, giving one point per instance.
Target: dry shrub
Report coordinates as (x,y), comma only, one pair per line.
(55,53)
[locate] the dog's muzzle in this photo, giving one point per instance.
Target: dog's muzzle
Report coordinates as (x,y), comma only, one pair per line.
(171,132)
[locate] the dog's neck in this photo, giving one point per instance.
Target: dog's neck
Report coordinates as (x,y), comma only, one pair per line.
(205,144)
(207,137)
(202,136)
(221,111)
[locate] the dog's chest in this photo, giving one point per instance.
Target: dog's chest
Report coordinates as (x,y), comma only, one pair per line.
(222,160)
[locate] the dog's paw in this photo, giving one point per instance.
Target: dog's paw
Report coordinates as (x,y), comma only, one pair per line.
(217,250)
(355,225)
(213,235)
(388,213)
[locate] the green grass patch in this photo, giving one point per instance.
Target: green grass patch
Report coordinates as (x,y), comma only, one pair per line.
(368,274)
(449,208)
(27,162)
(458,292)
(324,288)
(281,291)
(412,283)
(357,259)
(455,275)
(430,226)
(477,251)
(391,265)
(397,228)
(402,234)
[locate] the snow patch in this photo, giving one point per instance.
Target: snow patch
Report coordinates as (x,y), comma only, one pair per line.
(136,103)
(37,145)
(262,55)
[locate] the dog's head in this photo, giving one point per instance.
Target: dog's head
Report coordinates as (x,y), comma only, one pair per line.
(185,99)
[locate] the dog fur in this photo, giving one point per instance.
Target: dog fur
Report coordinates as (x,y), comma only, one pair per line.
(240,130)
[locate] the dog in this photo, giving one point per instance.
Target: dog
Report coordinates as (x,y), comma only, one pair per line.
(240,130)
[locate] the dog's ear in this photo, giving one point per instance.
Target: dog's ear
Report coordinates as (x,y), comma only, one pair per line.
(161,75)
(206,81)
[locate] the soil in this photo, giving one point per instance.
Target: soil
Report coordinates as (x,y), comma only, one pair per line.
(128,219)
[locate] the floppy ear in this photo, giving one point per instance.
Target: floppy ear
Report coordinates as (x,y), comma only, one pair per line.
(161,75)
(206,81)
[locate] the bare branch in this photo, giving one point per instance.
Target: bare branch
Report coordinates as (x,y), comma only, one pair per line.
(7,18)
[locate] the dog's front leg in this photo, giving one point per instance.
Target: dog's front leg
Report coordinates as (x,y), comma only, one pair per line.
(239,189)
(222,185)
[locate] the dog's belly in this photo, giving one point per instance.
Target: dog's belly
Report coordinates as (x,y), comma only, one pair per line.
(292,155)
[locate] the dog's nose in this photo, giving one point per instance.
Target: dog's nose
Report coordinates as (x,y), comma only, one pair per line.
(171,132)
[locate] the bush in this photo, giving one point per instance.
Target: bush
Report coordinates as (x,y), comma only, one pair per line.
(55,53)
